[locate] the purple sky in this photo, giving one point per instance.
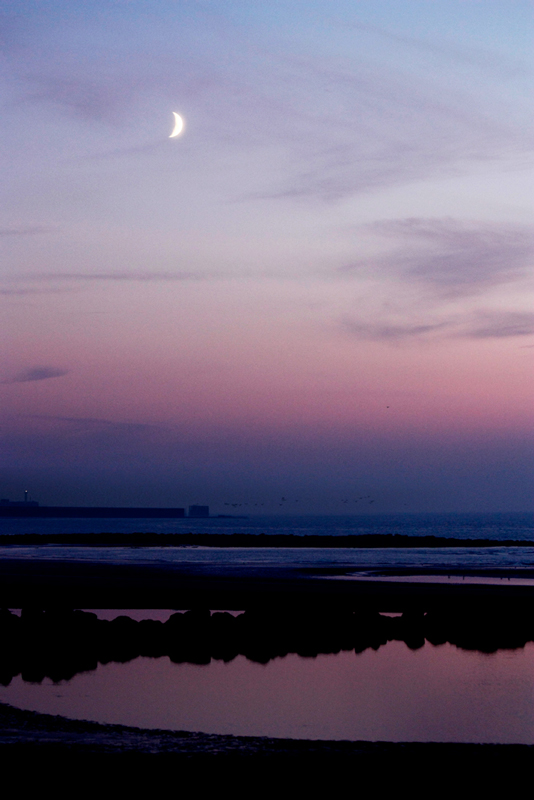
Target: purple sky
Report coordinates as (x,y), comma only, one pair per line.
(320,290)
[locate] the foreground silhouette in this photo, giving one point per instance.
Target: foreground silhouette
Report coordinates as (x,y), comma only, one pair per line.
(59,643)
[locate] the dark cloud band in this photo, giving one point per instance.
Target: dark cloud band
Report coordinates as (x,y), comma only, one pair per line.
(38,374)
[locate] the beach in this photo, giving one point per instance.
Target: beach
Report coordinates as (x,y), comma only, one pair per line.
(43,583)
(46,748)
(320,602)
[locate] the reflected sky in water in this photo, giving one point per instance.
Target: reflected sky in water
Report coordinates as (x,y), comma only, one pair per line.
(440,694)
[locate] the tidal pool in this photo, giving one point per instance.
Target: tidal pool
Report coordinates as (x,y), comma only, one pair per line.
(438,694)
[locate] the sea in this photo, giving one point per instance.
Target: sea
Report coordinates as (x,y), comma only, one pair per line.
(498,526)
(501,529)
(389,692)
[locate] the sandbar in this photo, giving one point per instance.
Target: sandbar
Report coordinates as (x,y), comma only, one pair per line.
(75,584)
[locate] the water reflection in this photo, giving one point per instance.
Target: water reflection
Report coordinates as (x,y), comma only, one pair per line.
(455,675)
(437,693)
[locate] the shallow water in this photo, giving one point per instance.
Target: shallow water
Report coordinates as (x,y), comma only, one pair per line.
(222,559)
(440,694)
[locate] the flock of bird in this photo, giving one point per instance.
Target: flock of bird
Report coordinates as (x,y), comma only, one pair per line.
(284,500)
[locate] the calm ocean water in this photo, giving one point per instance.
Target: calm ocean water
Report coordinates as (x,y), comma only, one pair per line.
(500,528)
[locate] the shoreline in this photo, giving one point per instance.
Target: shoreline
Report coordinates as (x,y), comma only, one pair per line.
(21,729)
(253,540)
(77,584)
(45,741)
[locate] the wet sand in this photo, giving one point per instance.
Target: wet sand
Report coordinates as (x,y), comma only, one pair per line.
(126,755)
(75,584)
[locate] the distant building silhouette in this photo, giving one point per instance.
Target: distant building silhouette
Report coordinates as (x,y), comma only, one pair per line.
(199,511)
(26,502)
(31,508)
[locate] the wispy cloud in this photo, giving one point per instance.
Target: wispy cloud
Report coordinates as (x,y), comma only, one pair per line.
(26,230)
(478,325)
(123,276)
(452,258)
(37,374)
(339,126)
(352,127)
(502,324)
(86,98)
(435,278)
(90,423)
(51,282)
(388,332)
(17,292)
(448,53)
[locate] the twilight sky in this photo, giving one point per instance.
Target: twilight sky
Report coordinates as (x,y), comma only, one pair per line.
(322,290)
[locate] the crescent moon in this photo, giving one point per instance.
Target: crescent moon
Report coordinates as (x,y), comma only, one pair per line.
(178,125)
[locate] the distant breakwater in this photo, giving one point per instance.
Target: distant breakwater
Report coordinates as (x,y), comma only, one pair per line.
(58,644)
(29,511)
(251,540)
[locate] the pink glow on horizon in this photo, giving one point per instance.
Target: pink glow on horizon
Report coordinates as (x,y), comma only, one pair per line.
(337,251)
(165,371)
